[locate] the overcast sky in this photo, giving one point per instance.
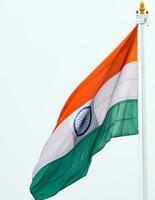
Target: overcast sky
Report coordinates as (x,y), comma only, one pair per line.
(46,49)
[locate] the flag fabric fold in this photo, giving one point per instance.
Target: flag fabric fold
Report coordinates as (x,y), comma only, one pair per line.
(102,107)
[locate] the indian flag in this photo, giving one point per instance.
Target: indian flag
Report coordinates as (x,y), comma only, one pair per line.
(102,107)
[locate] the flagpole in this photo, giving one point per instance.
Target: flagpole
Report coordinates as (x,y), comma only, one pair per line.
(142,20)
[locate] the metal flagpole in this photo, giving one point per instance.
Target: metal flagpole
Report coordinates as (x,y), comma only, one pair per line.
(142,21)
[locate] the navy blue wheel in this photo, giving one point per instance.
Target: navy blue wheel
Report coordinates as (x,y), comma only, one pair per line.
(82,121)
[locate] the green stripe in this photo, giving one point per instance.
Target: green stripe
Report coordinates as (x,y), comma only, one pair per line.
(121,120)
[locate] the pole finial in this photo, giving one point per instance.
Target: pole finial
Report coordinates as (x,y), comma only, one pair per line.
(142,7)
(142,15)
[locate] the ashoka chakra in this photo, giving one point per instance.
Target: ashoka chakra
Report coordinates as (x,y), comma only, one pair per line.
(82,121)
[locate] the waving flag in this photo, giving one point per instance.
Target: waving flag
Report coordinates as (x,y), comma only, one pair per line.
(102,107)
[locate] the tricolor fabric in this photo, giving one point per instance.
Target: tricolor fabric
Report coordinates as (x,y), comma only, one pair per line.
(102,107)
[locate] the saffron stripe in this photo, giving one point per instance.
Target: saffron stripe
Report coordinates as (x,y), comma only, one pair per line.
(125,53)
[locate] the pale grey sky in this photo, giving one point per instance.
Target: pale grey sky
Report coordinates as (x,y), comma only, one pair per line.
(46,49)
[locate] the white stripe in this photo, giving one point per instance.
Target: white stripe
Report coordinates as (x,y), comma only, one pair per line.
(120,87)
